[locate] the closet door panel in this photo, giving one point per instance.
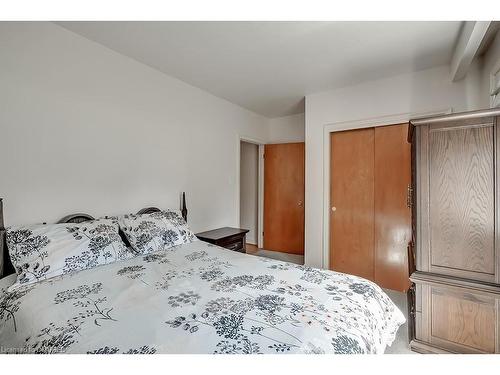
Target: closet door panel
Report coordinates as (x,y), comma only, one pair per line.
(392,214)
(352,202)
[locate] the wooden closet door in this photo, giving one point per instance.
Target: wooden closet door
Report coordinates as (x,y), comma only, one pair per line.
(284,179)
(352,202)
(392,214)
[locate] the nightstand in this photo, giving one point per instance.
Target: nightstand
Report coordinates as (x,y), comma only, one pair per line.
(229,238)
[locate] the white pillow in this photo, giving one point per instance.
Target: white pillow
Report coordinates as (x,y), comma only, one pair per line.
(39,252)
(156,231)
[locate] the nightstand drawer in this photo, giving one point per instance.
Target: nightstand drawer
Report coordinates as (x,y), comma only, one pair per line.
(230,240)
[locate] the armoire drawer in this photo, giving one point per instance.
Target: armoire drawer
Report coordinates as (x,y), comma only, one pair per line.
(458,319)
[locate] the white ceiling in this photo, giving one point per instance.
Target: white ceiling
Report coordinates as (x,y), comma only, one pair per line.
(268,67)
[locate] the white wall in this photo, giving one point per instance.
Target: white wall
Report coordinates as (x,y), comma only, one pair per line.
(249,178)
(83,128)
(422,92)
(288,129)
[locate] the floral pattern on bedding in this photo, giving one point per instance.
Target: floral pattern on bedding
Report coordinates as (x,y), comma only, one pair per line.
(43,251)
(199,298)
(148,233)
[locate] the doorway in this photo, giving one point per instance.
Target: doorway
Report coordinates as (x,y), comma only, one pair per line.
(249,191)
(272,179)
(370,221)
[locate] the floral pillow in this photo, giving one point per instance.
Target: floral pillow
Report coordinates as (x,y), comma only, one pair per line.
(39,252)
(156,231)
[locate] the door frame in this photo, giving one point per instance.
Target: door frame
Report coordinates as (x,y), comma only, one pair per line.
(351,125)
(260,187)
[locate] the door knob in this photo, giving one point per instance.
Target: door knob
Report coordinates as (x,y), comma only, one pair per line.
(334,209)
(301,203)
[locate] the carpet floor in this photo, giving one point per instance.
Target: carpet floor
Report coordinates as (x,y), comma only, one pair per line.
(400,344)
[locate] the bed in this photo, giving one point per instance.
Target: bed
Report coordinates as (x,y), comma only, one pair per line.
(197,298)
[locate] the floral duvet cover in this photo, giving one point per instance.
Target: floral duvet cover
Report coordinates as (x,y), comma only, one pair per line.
(198,298)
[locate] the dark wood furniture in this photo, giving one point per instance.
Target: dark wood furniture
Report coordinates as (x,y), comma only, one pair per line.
(456,233)
(229,238)
(6,267)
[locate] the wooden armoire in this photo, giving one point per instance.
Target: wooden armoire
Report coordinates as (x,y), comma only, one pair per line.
(455,295)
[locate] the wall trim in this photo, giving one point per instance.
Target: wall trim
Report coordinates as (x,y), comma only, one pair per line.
(350,125)
(494,97)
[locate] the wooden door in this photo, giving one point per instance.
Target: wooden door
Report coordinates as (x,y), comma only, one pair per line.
(352,202)
(284,174)
(392,214)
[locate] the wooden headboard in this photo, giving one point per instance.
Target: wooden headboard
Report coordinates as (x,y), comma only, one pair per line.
(6,267)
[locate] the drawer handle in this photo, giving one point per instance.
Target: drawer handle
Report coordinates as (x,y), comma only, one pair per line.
(234,246)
